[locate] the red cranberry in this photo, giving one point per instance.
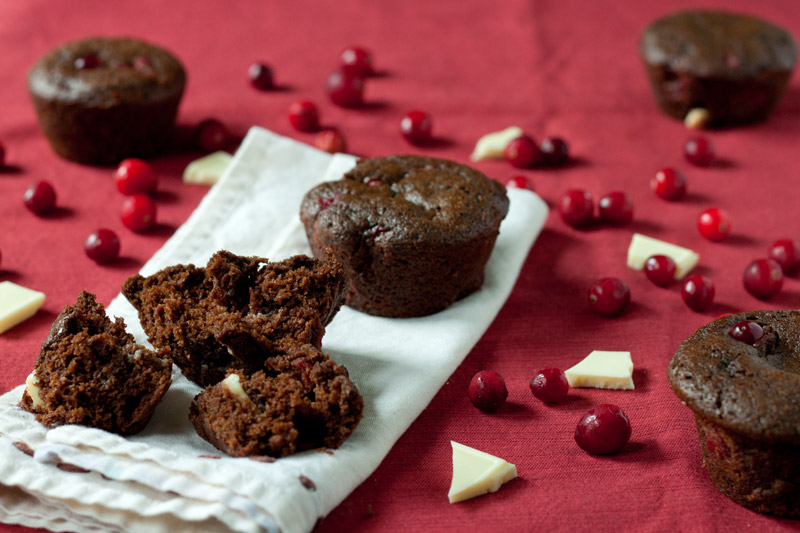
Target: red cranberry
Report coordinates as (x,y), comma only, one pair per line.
(714,224)
(603,429)
(330,140)
(763,278)
(698,292)
(519,182)
(138,212)
(142,63)
(416,127)
(669,184)
(550,385)
(555,151)
(40,197)
(211,135)
(616,207)
(609,296)
(260,76)
(357,61)
(576,207)
(303,116)
(699,151)
(102,246)
(87,62)
(660,269)
(522,152)
(786,252)
(134,176)
(487,391)
(326,201)
(746,331)
(345,90)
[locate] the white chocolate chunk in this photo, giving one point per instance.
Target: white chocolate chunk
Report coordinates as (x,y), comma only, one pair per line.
(643,247)
(697,118)
(491,145)
(603,370)
(476,473)
(33,390)
(17,304)
(235,387)
(207,170)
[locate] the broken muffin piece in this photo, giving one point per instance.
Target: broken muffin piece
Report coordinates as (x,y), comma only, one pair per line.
(311,405)
(90,371)
(237,313)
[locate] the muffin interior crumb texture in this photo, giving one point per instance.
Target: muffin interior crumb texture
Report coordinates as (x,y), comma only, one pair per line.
(90,371)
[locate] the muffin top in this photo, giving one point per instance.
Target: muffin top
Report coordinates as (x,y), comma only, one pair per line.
(716,43)
(751,389)
(410,199)
(120,70)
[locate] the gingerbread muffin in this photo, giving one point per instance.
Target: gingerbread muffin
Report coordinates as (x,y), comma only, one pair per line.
(104,99)
(740,375)
(237,313)
(309,404)
(413,233)
(90,371)
(734,66)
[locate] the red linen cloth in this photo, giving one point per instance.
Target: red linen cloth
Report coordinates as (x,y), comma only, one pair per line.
(558,67)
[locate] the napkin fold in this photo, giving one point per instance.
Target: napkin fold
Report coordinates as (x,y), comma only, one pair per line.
(166,478)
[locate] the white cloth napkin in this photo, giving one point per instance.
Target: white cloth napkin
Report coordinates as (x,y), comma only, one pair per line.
(159,479)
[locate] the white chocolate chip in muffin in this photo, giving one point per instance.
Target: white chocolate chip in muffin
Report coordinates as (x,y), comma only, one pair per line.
(491,145)
(697,118)
(33,390)
(235,387)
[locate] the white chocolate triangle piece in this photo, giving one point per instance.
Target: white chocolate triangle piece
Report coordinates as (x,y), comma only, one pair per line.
(17,304)
(476,473)
(603,370)
(207,170)
(492,145)
(643,247)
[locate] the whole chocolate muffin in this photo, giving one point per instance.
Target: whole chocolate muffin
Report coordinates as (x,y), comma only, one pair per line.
(733,66)
(90,371)
(746,401)
(104,99)
(413,233)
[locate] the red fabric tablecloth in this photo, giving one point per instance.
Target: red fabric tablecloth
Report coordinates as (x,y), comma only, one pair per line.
(557,67)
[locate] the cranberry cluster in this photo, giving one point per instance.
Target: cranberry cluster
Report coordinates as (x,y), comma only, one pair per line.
(604,429)
(576,208)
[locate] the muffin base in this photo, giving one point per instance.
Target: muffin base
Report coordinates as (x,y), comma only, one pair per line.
(761,476)
(728,101)
(107,135)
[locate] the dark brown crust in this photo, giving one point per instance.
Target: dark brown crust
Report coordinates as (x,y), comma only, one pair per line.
(736,67)
(414,233)
(751,390)
(91,372)
(103,115)
(746,402)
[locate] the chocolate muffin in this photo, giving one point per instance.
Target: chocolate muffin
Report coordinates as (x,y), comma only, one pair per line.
(734,66)
(104,99)
(311,404)
(745,395)
(90,371)
(413,233)
(238,313)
